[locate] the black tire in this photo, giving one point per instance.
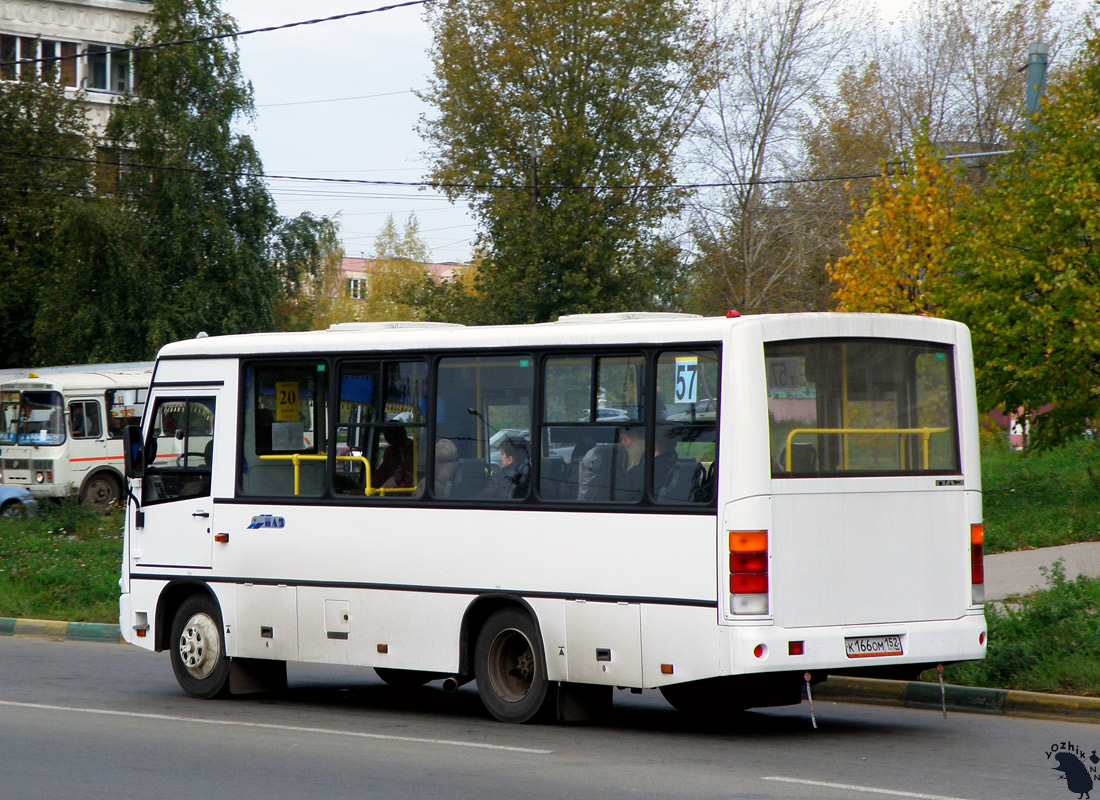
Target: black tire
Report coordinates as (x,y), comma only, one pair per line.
(13,509)
(510,667)
(404,678)
(102,491)
(197,648)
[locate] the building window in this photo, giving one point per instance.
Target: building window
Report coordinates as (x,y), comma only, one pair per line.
(108,69)
(356,287)
(25,48)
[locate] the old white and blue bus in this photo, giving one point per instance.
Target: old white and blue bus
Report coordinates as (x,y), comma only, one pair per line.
(715,507)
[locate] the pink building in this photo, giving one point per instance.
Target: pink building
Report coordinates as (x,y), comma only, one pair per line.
(355,273)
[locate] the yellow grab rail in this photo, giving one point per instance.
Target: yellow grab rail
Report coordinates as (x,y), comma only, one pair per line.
(297,458)
(925,434)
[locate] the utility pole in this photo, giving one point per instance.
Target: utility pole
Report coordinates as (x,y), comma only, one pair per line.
(1036,79)
(533,179)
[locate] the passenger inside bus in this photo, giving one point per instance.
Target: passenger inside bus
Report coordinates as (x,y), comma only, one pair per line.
(396,469)
(76,420)
(512,478)
(446,464)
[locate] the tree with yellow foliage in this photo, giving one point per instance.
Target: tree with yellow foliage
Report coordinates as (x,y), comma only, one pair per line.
(898,242)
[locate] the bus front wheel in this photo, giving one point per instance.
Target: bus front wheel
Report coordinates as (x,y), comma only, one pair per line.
(102,491)
(197,648)
(510,668)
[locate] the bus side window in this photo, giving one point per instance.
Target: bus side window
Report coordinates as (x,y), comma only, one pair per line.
(84,422)
(180,450)
(594,419)
(125,407)
(381,429)
(285,430)
(685,439)
(484,411)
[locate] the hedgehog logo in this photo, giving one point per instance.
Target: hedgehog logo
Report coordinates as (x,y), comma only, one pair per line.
(1075,774)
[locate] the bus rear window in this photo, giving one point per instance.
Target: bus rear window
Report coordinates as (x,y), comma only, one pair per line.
(840,407)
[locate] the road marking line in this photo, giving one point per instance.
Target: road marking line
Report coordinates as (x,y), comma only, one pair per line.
(872,790)
(270,726)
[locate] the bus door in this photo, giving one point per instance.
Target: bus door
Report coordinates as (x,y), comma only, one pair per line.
(87,437)
(176,493)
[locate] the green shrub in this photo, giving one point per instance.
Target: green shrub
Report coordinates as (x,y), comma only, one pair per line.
(1048,642)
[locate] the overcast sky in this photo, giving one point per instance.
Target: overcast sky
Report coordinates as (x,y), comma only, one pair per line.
(378,59)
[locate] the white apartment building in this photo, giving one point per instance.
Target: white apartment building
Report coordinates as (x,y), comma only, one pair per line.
(37,29)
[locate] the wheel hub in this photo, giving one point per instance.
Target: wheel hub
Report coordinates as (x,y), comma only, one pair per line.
(511,665)
(199,645)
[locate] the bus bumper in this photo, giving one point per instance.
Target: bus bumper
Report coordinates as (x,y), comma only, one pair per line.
(881,648)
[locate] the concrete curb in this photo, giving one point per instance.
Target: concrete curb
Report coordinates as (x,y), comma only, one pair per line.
(969,699)
(59,631)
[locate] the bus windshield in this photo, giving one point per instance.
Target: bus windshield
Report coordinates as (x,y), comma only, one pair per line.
(841,407)
(41,418)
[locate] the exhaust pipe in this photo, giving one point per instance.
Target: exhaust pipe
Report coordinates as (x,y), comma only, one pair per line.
(452,682)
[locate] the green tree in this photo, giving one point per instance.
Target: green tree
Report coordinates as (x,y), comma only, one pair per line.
(559,121)
(400,266)
(899,242)
(217,257)
(94,307)
(39,131)
(1028,272)
(315,296)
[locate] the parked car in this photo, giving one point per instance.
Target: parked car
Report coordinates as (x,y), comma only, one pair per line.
(15,501)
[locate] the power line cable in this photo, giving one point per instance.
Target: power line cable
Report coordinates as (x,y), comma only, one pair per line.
(334,99)
(449,185)
(218,36)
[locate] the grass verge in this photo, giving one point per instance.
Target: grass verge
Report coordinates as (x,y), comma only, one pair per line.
(62,563)
(1040,499)
(1048,642)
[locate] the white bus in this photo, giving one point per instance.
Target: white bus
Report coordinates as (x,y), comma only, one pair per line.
(61,432)
(713,507)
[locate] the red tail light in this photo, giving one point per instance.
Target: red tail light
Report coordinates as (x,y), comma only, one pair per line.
(977,563)
(748,572)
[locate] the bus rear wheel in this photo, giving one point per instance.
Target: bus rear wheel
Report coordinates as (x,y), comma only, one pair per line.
(197,649)
(102,491)
(510,668)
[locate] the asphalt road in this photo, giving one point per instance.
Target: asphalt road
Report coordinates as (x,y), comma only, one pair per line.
(87,720)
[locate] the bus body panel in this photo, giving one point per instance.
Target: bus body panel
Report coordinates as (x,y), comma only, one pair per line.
(821,546)
(577,554)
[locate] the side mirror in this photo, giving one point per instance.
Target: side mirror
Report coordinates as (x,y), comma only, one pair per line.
(133,451)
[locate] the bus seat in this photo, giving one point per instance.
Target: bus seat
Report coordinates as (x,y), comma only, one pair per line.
(597,472)
(678,488)
(803,457)
(470,476)
(552,479)
(276,479)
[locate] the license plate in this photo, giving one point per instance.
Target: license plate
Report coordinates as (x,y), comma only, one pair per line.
(871,646)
